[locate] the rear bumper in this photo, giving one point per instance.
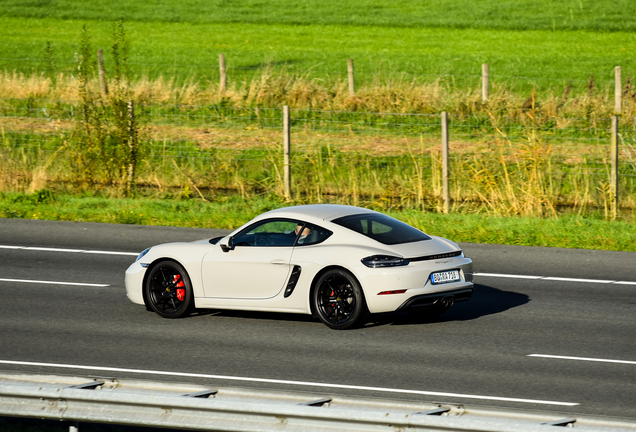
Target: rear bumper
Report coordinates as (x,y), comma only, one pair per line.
(425,301)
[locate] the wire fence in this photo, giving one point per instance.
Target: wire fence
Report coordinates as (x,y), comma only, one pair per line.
(355,157)
(208,73)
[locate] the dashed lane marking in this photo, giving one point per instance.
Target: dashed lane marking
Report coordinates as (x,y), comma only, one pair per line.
(559,279)
(582,359)
(287,382)
(45,249)
(54,282)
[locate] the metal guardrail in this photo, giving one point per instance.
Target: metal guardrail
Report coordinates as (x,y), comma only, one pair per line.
(153,404)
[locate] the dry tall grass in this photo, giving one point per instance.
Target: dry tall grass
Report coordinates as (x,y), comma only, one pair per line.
(494,174)
(396,94)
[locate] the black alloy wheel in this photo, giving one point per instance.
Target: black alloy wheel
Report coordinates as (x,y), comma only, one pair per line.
(168,290)
(338,300)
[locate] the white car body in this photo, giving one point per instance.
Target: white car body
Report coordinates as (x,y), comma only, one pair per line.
(258,277)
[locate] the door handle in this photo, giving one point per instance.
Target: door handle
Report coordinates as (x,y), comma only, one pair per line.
(278,261)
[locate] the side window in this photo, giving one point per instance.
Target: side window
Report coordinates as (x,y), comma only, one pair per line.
(271,232)
(309,234)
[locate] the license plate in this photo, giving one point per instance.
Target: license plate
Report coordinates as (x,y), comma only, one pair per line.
(445,276)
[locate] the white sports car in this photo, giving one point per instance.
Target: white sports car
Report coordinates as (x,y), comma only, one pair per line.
(335,262)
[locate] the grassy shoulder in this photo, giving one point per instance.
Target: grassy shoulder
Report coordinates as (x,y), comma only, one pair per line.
(231,212)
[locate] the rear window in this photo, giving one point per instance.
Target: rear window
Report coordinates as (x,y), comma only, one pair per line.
(382,228)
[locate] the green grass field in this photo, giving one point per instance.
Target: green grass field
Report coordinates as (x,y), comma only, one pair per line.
(592,15)
(542,44)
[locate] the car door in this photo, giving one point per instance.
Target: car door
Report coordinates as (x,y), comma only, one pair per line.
(256,267)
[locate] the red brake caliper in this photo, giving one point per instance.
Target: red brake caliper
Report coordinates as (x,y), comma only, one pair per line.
(180,290)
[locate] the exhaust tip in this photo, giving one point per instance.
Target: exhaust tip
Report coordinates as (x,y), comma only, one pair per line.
(447,301)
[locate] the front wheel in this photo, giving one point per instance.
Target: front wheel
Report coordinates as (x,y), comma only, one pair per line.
(338,300)
(168,290)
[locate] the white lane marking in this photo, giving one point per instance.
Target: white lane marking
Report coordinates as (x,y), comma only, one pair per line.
(53,282)
(110,252)
(47,249)
(69,250)
(582,359)
(297,383)
(507,276)
(552,278)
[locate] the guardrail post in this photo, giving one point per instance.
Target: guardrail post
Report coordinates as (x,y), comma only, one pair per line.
(445,191)
(286,152)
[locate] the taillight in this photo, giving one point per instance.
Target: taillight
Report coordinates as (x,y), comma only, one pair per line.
(392,292)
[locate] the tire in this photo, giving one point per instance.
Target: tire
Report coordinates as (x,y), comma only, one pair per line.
(168,290)
(338,300)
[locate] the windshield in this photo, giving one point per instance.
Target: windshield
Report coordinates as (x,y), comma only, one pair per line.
(382,228)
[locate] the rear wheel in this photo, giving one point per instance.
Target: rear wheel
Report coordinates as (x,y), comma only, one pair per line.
(168,290)
(338,300)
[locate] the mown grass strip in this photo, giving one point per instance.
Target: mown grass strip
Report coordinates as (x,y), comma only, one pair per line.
(231,212)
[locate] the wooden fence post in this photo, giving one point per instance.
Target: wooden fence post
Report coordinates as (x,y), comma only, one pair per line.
(286,152)
(445,191)
(102,74)
(223,74)
(352,86)
(618,91)
(614,167)
(485,82)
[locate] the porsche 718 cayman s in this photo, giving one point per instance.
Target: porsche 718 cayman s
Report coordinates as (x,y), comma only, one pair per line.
(335,262)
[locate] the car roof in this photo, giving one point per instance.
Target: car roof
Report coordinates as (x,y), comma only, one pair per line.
(316,211)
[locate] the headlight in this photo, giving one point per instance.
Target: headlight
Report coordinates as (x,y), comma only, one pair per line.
(141,255)
(384,261)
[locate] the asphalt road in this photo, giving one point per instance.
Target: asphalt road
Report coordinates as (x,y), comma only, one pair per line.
(578,320)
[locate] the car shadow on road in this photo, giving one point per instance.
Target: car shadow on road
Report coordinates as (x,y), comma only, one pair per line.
(256,315)
(486,300)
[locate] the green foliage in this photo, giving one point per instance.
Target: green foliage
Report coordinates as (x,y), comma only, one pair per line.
(89,140)
(49,62)
(105,144)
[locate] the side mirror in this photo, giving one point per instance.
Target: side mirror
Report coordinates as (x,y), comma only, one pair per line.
(227,244)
